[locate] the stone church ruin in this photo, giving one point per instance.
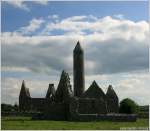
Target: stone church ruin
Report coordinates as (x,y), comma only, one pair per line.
(78,104)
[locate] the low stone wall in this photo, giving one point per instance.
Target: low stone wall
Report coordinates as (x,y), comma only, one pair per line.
(108,117)
(143,112)
(26,114)
(143,115)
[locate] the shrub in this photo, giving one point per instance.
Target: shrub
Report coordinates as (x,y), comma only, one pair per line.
(128,106)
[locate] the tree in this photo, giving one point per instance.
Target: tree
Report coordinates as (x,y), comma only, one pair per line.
(128,106)
(6,107)
(16,107)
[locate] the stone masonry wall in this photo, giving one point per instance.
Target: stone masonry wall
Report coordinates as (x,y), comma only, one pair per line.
(91,106)
(56,111)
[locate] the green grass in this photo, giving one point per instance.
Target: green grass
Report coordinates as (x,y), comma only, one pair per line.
(25,123)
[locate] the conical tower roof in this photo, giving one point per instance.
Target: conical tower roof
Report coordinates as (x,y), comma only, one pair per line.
(94,91)
(78,48)
(111,93)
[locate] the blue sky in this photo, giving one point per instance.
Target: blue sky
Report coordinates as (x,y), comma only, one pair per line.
(13,18)
(38,38)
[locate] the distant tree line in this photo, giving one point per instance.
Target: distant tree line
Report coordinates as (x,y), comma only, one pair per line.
(9,107)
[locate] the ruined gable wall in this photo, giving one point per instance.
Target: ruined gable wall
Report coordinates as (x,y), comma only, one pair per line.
(112,105)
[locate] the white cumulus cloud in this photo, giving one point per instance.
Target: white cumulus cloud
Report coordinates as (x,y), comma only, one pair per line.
(34,24)
(22,4)
(111,46)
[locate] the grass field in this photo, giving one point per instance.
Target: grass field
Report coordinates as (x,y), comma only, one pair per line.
(25,123)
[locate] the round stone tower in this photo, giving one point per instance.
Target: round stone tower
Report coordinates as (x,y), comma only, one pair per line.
(78,68)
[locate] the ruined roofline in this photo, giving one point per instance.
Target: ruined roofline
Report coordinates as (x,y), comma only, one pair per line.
(94,91)
(94,83)
(110,90)
(50,91)
(25,91)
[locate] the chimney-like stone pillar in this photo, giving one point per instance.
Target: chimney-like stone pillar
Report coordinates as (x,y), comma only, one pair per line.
(78,68)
